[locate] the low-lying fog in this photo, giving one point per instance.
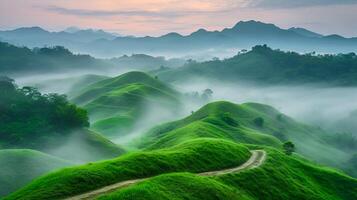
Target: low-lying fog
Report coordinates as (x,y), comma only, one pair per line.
(327,107)
(312,104)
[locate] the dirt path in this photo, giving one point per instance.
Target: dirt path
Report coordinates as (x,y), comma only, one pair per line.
(257,158)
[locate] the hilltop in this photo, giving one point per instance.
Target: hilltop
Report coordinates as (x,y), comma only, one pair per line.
(116,104)
(248,123)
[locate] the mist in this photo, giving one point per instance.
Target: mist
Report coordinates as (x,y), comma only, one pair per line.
(316,105)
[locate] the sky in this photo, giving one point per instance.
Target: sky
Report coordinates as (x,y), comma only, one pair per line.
(158,17)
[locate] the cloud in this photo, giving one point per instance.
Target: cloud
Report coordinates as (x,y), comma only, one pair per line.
(86,12)
(149,8)
(296,3)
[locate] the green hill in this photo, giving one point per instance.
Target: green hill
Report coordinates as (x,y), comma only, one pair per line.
(193,156)
(20,166)
(267,66)
(49,123)
(116,104)
(280,177)
(249,123)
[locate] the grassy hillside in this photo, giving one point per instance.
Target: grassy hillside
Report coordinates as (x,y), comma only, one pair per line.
(267,66)
(280,177)
(249,123)
(116,104)
(193,156)
(49,123)
(20,166)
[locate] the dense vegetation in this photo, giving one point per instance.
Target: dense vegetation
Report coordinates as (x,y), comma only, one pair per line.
(265,65)
(116,104)
(249,123)
(280,177)
(193,156)
(48,122)
(27,117)
(20,166)
(48,59)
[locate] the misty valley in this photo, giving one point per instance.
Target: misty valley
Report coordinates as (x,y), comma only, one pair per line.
(250,112)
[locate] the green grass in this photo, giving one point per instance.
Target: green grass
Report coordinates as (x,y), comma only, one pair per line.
(280,177)
(193,156)
(123,100)
(235,122)
(176,187)
(20,166)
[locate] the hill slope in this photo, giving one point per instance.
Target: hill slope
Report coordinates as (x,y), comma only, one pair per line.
(116,104)
(191,156)
(280,177)
(267,66)
(247,123)
(20,166)
(49,123)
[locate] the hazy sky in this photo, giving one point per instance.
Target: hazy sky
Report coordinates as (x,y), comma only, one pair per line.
(156,17)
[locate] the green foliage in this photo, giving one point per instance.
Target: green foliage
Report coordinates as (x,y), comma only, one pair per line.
(259,121)
(20,166)
(193,156)
(265,65)
(22,59)
(27,117)
(289,148)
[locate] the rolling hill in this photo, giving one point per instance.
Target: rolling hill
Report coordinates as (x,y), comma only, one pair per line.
(116,104)
(191,156)
(20,166)
(249,123)
(263,65)
(279,177)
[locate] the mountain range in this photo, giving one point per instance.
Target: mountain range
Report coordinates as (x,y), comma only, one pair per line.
(243,35)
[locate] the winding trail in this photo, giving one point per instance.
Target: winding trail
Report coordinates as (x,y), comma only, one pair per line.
(256,159)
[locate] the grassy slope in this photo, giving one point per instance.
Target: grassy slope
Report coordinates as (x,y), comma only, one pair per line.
(194,156)
(236,122)
(115,104)
(280,177)
(85,146)
(20,166)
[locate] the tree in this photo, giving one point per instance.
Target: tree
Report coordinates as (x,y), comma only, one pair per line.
(207,94)
(259,121)
(289,147)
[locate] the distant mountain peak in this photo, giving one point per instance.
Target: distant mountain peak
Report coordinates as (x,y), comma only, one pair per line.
(253,24)
(72,29)
(305,32)
(35,29)
(172,35)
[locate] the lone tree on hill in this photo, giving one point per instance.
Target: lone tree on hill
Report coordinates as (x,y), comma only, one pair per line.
(289,148)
